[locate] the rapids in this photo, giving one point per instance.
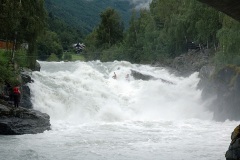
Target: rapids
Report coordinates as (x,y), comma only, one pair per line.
(96,117)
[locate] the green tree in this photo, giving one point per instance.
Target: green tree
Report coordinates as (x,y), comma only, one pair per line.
(31,25)
(91,49)
(130,39)
(229,39)
(10,17)
(67,35)
(26,19)
(49,43)
(110,30)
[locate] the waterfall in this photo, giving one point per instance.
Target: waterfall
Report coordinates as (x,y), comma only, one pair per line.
(82,92)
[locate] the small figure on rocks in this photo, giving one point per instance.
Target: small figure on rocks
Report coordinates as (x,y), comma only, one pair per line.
(16,96)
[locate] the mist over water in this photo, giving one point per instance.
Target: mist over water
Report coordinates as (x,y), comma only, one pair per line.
(82,92)
(96,117)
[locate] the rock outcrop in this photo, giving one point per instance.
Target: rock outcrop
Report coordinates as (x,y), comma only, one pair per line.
(225,85)
(233,152)
(18,121)
(146,77)
(191,62)
(26,95)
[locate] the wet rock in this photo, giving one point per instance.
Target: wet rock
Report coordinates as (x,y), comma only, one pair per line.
(233,152)
(25,91)
(191,61)
(137,75)
(26,78)
(37,67)
(18,121)
(205,84)
(225,86)
(26,98)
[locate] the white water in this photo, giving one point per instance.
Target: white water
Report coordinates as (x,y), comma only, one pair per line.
(95,117)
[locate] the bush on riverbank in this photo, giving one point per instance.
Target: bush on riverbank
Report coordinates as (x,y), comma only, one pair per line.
(9,70)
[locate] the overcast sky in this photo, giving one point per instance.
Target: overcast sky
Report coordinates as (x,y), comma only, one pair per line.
(141,3)
(138,3)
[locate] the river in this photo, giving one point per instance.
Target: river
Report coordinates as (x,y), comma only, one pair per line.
(96,117)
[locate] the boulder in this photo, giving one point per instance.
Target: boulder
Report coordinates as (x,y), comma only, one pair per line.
(18,121)
(233,152)
(205,84)
(25,90)
(26,97)
(37,66)
(138,75)
(225,86)
(191,61)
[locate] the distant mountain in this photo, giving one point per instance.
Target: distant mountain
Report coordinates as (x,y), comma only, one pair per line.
(85,14)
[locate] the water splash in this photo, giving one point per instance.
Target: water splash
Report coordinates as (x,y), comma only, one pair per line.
(80,92)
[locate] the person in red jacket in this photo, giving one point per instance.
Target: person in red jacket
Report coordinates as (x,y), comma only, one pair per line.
(16,96)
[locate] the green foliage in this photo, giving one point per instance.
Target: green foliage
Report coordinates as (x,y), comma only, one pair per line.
(67,34)
(106,35)
(229,39)
(77,57)
(161,32)
(49,43)
(21,58)
(84,14)
(5,56)
(10,17)
(67,57)
(113,53)
(7,72)
(53,57)
(23,20)
(110,30)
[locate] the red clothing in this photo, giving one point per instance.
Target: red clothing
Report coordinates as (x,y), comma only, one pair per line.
(16,90)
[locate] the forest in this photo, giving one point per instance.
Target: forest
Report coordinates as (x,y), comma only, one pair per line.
(156,34)
(84,14)
(164,31)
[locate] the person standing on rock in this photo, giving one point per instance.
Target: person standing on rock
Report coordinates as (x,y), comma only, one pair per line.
(16,96)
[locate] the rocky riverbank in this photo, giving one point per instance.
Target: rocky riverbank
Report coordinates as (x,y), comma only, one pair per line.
(17,121)
(221,86)
(22,120)
(192,61)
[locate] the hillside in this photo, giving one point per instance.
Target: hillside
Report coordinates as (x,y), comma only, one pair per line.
(84,14)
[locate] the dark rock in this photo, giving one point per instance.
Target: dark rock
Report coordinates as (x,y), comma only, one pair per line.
(37,67)
(26,78)
(25,90)
(26,97)
(18,121)
(137,75)
(205,84)
(191,61)
(228,97)
(233,152)
(225,86)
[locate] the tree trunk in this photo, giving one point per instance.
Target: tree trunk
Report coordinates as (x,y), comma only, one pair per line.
(32,54)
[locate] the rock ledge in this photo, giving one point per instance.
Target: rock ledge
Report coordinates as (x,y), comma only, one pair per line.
(18,121)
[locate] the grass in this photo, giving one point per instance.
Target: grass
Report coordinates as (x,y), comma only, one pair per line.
(77,57)
(5,56)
